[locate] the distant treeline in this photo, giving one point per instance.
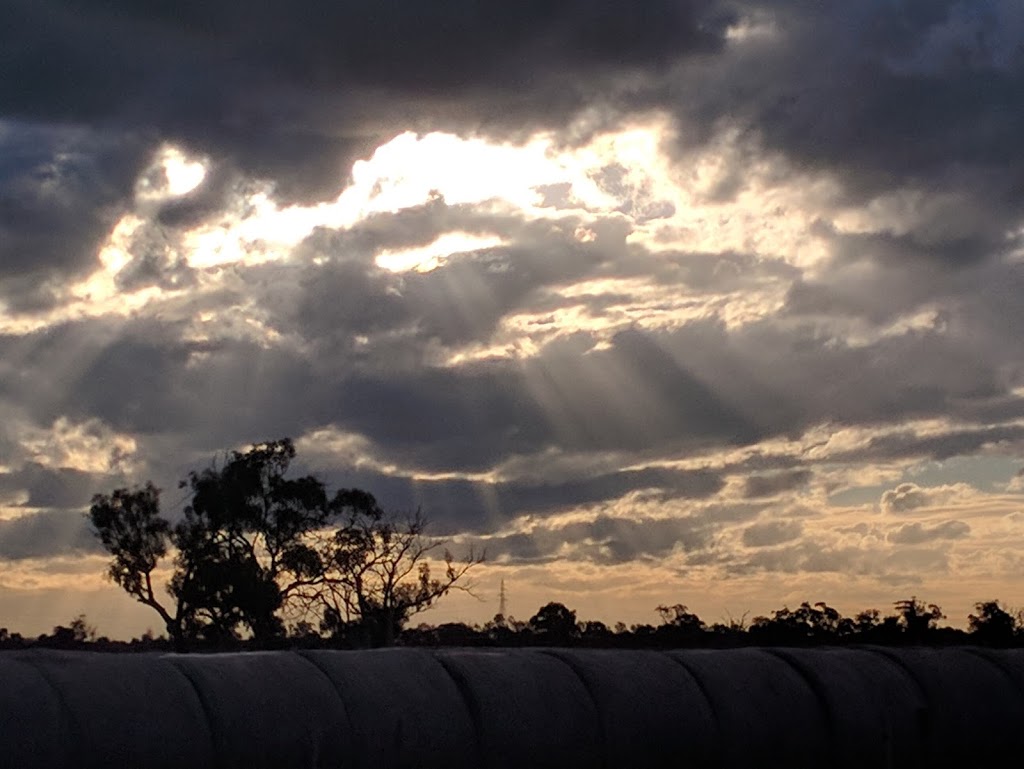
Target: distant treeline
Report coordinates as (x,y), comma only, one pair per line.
(911,622)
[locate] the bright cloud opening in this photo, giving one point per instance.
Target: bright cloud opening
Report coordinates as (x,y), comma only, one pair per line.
(435,254)
(173,173)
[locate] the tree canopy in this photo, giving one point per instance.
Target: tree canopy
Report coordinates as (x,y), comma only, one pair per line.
(256,549)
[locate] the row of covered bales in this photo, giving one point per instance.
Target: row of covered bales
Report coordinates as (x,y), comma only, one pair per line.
(513,708)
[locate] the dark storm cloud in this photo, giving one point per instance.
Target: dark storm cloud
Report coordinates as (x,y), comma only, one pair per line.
(612,540)
(638,202)
(770,485)
(51,501)
(46,534)
(35,367)
(413,46)
(956,442)
(290,91)
(759,461)
(604,540)
(767,379)
(48,487)
(916,97)
(877,277)
(886,93)
(637,394)
(61,191)
(918,94)
(407,228)
(632,396)
(444,418)
(681,391)
(343,294)
(699,385)
(287,92)
(724,272)
(457,505)
(966,288)
(216,391)
(461,303)
(148,378)
(156,266)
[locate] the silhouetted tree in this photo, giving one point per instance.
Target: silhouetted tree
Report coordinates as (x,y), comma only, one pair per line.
(255,545)
(916,618)
(731,631)
(554,624)
(506,631)
(243,546)
(866,621)
(11,640)
(678,615)
(594,632)
(377,572)
(81,630)
(680,626)
(73,635)
(992,624)
(502,630)
(129,524)
(457,634)
(817,623)
(642,633)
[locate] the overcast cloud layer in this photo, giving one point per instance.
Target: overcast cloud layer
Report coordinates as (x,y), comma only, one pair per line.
(767,332)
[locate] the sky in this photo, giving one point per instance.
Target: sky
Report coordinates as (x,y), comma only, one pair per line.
(683,301)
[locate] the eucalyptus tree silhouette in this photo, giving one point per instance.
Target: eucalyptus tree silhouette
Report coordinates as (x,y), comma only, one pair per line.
(243,546)
(916,618)
(376,574)
(129,524)
(808,623)
(554,624)
(993,624)
(255,547)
